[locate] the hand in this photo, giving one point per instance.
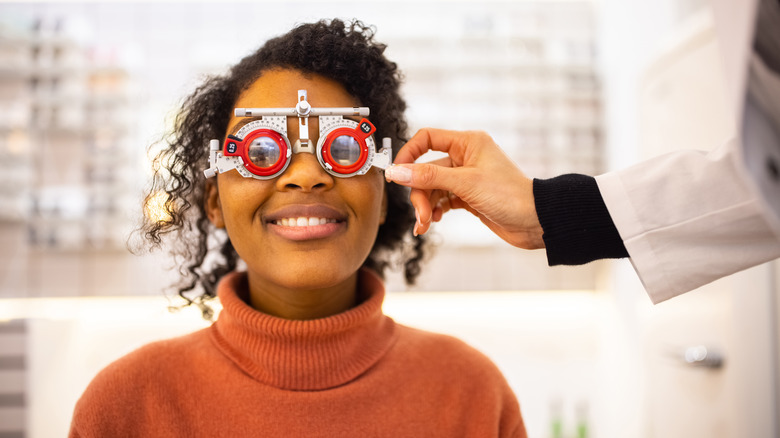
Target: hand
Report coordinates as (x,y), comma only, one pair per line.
(477,176)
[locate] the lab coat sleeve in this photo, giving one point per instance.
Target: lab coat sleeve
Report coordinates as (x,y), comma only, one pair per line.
(687,218)
(576,224)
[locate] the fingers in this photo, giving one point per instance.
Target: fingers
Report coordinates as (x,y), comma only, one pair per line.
(403,174)
(456,202)
(430,207)
(427,207)
(440,203)
(441,185)
(427,176)
(422,209)
(431,139)
(429,204)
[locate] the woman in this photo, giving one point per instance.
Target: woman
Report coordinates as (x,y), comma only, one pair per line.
(301,347)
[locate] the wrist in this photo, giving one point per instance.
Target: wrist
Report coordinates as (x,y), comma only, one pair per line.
(535,232)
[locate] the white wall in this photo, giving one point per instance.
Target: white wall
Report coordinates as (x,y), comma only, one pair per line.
(672,96)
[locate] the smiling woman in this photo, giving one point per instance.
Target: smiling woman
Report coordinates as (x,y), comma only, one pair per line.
(315,265)
(344,56)
(301,347)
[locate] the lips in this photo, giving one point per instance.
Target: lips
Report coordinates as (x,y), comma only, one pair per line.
(303,221)
(320,211)
(306,222)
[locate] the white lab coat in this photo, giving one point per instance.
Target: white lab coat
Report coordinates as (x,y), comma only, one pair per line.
(690,217)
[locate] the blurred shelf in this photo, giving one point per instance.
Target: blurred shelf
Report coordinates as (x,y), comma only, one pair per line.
(74,109)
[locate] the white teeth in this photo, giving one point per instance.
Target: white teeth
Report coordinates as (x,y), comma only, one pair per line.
(304,221)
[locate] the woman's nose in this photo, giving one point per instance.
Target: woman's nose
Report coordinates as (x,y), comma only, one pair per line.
(304,173)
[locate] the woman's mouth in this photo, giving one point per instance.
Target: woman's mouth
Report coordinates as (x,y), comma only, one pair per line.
(303,221)
(306,228)
(306,222)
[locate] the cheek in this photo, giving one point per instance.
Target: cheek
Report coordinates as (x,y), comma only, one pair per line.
(240,199)
(373,195)
(373,214)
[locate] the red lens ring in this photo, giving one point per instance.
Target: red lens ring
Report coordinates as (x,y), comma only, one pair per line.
(328,158)
(243,151)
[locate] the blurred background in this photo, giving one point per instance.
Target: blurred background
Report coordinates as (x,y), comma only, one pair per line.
(581,86)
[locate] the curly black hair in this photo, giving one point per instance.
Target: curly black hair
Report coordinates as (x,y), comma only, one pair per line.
(344,52)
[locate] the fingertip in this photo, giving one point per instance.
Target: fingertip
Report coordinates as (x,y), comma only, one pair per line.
(421,204)
(438,212)
(398,174)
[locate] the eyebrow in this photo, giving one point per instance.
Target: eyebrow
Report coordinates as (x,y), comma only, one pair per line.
(242,121)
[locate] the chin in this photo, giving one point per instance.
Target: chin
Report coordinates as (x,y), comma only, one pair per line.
(319,277)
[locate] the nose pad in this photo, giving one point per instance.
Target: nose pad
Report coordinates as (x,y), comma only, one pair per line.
(298,147)
(312,127)
(305,173)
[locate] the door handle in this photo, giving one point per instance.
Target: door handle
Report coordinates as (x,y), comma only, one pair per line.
(703,357)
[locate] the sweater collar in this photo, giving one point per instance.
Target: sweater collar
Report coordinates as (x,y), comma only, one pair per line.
(303,355)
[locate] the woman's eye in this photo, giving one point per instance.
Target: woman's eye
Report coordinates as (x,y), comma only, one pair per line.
(264,152)
(345,150)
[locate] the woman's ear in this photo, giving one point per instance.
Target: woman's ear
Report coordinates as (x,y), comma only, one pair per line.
(214,205)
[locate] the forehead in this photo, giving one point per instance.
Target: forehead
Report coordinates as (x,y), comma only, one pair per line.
(278,88)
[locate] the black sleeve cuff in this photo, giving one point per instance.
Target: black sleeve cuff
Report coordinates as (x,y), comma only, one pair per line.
(576,223)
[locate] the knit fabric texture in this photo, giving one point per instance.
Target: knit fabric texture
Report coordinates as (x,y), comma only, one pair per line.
(354,374)
(576,223)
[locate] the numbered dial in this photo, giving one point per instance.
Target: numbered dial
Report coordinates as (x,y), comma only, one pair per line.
(261,148)
(345,147)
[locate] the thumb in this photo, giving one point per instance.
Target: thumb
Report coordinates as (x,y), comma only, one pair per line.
(424,176)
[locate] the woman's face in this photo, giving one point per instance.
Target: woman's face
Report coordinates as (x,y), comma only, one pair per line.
(305,229)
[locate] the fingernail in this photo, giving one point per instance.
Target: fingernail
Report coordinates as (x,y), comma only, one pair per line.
(398,174)
(418,223)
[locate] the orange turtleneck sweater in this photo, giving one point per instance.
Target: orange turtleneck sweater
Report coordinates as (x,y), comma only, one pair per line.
(355,374)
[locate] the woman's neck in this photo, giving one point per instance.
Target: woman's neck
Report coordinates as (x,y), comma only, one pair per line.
(302,303)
